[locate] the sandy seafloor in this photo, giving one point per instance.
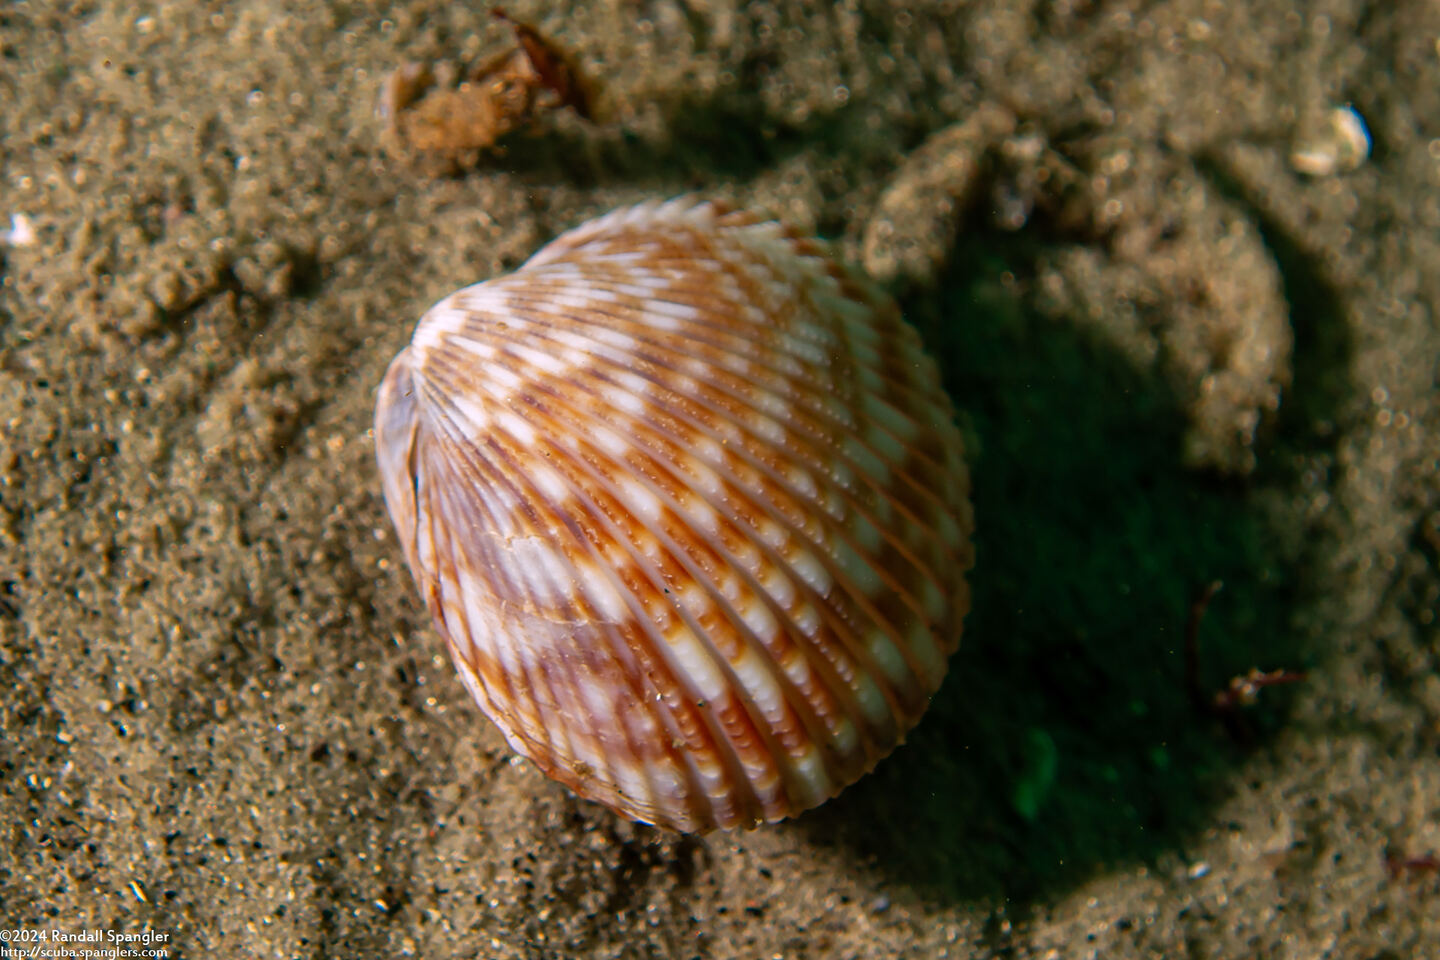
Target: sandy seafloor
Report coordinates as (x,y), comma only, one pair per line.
(227,719)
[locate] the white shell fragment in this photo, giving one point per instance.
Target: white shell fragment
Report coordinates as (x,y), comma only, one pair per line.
(1340,143)
(687,503)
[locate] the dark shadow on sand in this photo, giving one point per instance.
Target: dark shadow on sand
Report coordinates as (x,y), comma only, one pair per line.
(1063,742)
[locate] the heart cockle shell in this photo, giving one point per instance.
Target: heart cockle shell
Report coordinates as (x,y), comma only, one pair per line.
(686,500)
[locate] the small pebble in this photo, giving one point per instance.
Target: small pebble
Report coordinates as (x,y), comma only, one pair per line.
(1340,144)
(21,232)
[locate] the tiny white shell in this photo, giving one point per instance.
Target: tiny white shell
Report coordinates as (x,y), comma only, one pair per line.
(686,500)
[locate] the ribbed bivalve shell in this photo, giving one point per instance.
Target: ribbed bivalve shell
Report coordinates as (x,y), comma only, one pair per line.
(686,500)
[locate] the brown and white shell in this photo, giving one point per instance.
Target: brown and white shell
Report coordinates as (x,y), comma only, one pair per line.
(686,500)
